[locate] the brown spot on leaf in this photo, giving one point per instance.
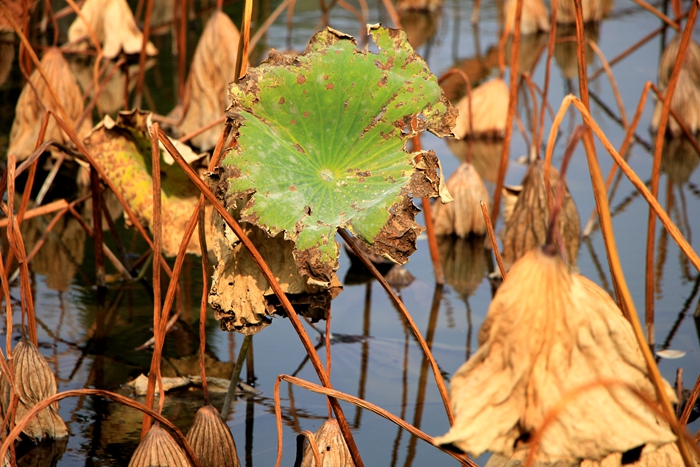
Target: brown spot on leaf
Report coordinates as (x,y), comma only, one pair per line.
(301,79)
(293,122)
(362,180)
(366,173)
(329,86)
(306,114)
(299,148)
(325,77)
(292,188)
(281,100)
(382,82)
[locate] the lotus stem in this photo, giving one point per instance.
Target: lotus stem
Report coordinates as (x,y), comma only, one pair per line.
(492,239)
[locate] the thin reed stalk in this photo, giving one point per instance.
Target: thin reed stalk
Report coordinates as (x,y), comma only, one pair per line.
(201,230)
(97,227)
(512,103)
(656,169)
(142,56)
(274,284)
(492,239)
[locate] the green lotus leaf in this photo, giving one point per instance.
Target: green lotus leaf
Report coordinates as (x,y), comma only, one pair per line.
(322,145)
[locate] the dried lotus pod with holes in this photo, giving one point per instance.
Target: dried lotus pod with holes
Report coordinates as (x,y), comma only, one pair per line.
(31,106)
(34,382)
(548,333)
(462,217)
(526,227)
(114,26)
(331,445)
(211,440)
(686,98)
(213,67)
(534,17)
(158,449)
(489,111)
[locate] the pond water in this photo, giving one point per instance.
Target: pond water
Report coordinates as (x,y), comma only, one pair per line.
(89,338)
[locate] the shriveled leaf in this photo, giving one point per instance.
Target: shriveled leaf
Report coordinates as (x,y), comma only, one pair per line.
(158,449)
(331,445)
(547,333)
(140,384)
(526,227)
(240,295)
(213,67)
(666,456)
(31,105)
(123,148)
(114,27)
(34,382)
(463,217)
(211,440)
(322,145)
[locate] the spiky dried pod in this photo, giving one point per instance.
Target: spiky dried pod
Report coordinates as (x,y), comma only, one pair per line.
(548,333)
(463,262)
(114,26)
(534,17)
(462,217)
(686,98)
(211,440)
(29,111)
(34,382)
(158,449)
(526,228)
(213,67)
(489,110)
(331,445)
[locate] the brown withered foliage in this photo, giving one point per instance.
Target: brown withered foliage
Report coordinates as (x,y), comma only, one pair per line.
(34,382)
(592,10)
(686,98)
(489,110)
(158,449)
(462,217)
(331,445)
(486,154)
(548,333)
(211,440)
(534,16)
(526,228)
(31,106)
(213,67)
(114,26)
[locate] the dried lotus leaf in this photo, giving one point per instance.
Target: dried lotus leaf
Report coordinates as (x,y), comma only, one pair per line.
(29,111)
(34,382)
(666,456)
(489,110)
(462,217)
(331,445)
(534,17)
(211,440)
(547,333)
(158,449)
(526,227)
(686,98)
(213,67)
(114,27)
(240,295)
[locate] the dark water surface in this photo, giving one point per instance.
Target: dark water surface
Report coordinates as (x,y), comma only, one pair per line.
(90,340)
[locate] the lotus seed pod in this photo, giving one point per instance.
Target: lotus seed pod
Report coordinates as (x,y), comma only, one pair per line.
(158,449)
(211,439)
(331,445)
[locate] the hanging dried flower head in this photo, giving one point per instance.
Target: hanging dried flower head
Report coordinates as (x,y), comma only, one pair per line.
(158,449)
(489,110)
(526,227)
(31,106)
(462,217)
(213,67)
(211,440)
(547,333)
(686,98)
(534,17)
(34,382)
(114,27)
(331,445)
